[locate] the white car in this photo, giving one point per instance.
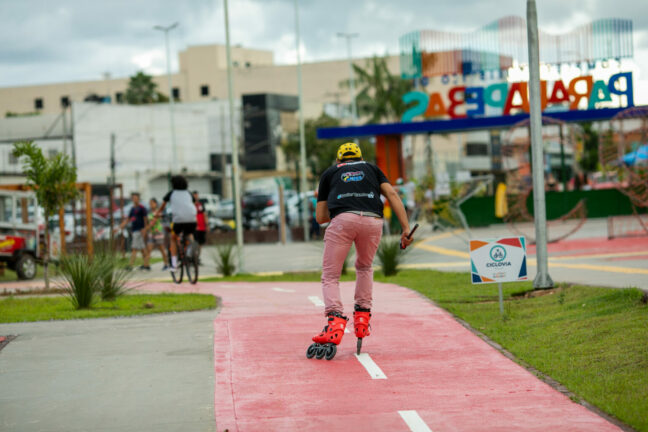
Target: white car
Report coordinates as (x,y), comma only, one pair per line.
(211,202)
(100,226)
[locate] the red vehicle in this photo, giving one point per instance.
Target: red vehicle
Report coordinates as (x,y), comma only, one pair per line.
(19,232)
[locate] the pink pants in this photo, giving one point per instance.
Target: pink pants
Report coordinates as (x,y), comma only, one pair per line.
(345,229)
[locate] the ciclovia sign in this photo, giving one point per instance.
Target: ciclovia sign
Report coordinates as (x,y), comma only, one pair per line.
(499,260)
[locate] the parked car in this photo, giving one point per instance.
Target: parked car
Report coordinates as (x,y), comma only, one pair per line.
(270,215)
(254,203)
(224,210)
(100,226)
(210,202)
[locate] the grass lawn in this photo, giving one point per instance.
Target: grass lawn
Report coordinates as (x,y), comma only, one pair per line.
(592,340)
(14,309)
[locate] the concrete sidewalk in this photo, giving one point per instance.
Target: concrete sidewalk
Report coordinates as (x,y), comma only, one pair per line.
(152,373)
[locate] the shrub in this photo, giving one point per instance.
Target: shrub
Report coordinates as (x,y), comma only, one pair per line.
(390,255)
(224,259)
(82,278)
(114,282)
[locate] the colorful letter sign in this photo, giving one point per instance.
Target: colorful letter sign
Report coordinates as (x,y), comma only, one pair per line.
(501,260)
(510,98)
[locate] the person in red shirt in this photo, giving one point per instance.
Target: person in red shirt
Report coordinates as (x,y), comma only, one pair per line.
(201,222)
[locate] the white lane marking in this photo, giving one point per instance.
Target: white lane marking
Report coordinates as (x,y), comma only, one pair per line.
(372,368)
(346,330)
(282,289)
(414,421)
(316,300)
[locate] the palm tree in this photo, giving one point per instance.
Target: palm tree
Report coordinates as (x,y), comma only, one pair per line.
(381,94)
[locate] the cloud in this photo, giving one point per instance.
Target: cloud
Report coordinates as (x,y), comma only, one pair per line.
(68,40)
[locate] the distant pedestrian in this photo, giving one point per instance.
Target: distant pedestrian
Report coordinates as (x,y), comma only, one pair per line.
(137,219)
(314,226)
(156,235)
(202,227)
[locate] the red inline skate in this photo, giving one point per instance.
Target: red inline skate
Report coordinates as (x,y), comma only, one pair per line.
(327,341)
(361,325)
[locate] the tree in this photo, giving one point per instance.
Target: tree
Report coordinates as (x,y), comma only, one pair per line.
(143,90)
(53,180)
(589,161)
(321,153)
(381,94)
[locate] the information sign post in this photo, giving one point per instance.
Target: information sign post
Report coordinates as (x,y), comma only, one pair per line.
(499,260)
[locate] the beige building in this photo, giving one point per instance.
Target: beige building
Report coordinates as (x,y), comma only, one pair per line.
(203,76)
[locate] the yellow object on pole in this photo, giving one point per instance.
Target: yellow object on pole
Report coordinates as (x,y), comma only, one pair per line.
(501,205)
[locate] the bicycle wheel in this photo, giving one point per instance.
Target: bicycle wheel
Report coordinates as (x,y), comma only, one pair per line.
(191,264)
(177,275)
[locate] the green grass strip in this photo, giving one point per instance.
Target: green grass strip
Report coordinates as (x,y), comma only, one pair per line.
(13,309)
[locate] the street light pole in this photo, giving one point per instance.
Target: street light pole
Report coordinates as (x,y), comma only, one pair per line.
(354,107)
(235,152)
(302,137)
(174,152)
(542,279)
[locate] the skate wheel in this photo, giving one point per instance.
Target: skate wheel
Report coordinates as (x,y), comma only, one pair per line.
(321,351)
(311,351)
(331,349)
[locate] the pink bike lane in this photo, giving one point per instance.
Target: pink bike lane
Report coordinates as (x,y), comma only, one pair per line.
(420,369)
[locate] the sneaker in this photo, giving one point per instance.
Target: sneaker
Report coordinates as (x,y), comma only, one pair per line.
(147,268)
(166,267)
(173,269)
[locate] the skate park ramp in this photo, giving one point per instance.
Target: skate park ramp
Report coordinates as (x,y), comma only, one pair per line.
(420,369)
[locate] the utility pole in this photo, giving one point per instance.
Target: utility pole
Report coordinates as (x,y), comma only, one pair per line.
(542,279)
(111,185)
(354,106)
(302,138)
(174,151)
(235,155)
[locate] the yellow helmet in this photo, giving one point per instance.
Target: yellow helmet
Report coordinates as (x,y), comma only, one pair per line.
(349,150)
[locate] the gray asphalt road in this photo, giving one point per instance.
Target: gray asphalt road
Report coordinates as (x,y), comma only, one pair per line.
(127,374)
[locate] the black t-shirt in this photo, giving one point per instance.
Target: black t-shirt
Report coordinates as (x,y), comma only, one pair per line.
(137,217)
(352,186)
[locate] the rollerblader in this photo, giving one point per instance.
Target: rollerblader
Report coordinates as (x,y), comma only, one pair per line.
(349,198)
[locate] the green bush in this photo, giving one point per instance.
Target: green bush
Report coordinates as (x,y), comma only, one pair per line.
(390,255)
(82,277)
(114,282)
(224,259)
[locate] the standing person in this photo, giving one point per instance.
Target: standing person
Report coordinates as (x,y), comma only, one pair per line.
(137,218)
(314,226)
(183,214)
(201,222)
(349,197)
(156,236)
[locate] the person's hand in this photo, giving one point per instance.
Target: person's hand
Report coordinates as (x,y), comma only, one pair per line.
(406,241)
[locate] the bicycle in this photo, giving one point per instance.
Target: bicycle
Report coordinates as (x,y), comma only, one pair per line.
(188,260)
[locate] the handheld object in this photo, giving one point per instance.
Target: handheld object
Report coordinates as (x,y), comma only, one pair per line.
(409,236)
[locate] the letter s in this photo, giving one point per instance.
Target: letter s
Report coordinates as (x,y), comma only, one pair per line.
(419,108)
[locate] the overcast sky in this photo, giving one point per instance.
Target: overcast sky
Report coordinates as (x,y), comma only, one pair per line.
(45,41)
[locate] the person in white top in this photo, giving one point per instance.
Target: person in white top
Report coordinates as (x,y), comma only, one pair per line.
(183,211)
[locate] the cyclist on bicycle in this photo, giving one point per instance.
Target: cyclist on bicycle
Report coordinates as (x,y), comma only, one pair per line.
(183,211)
